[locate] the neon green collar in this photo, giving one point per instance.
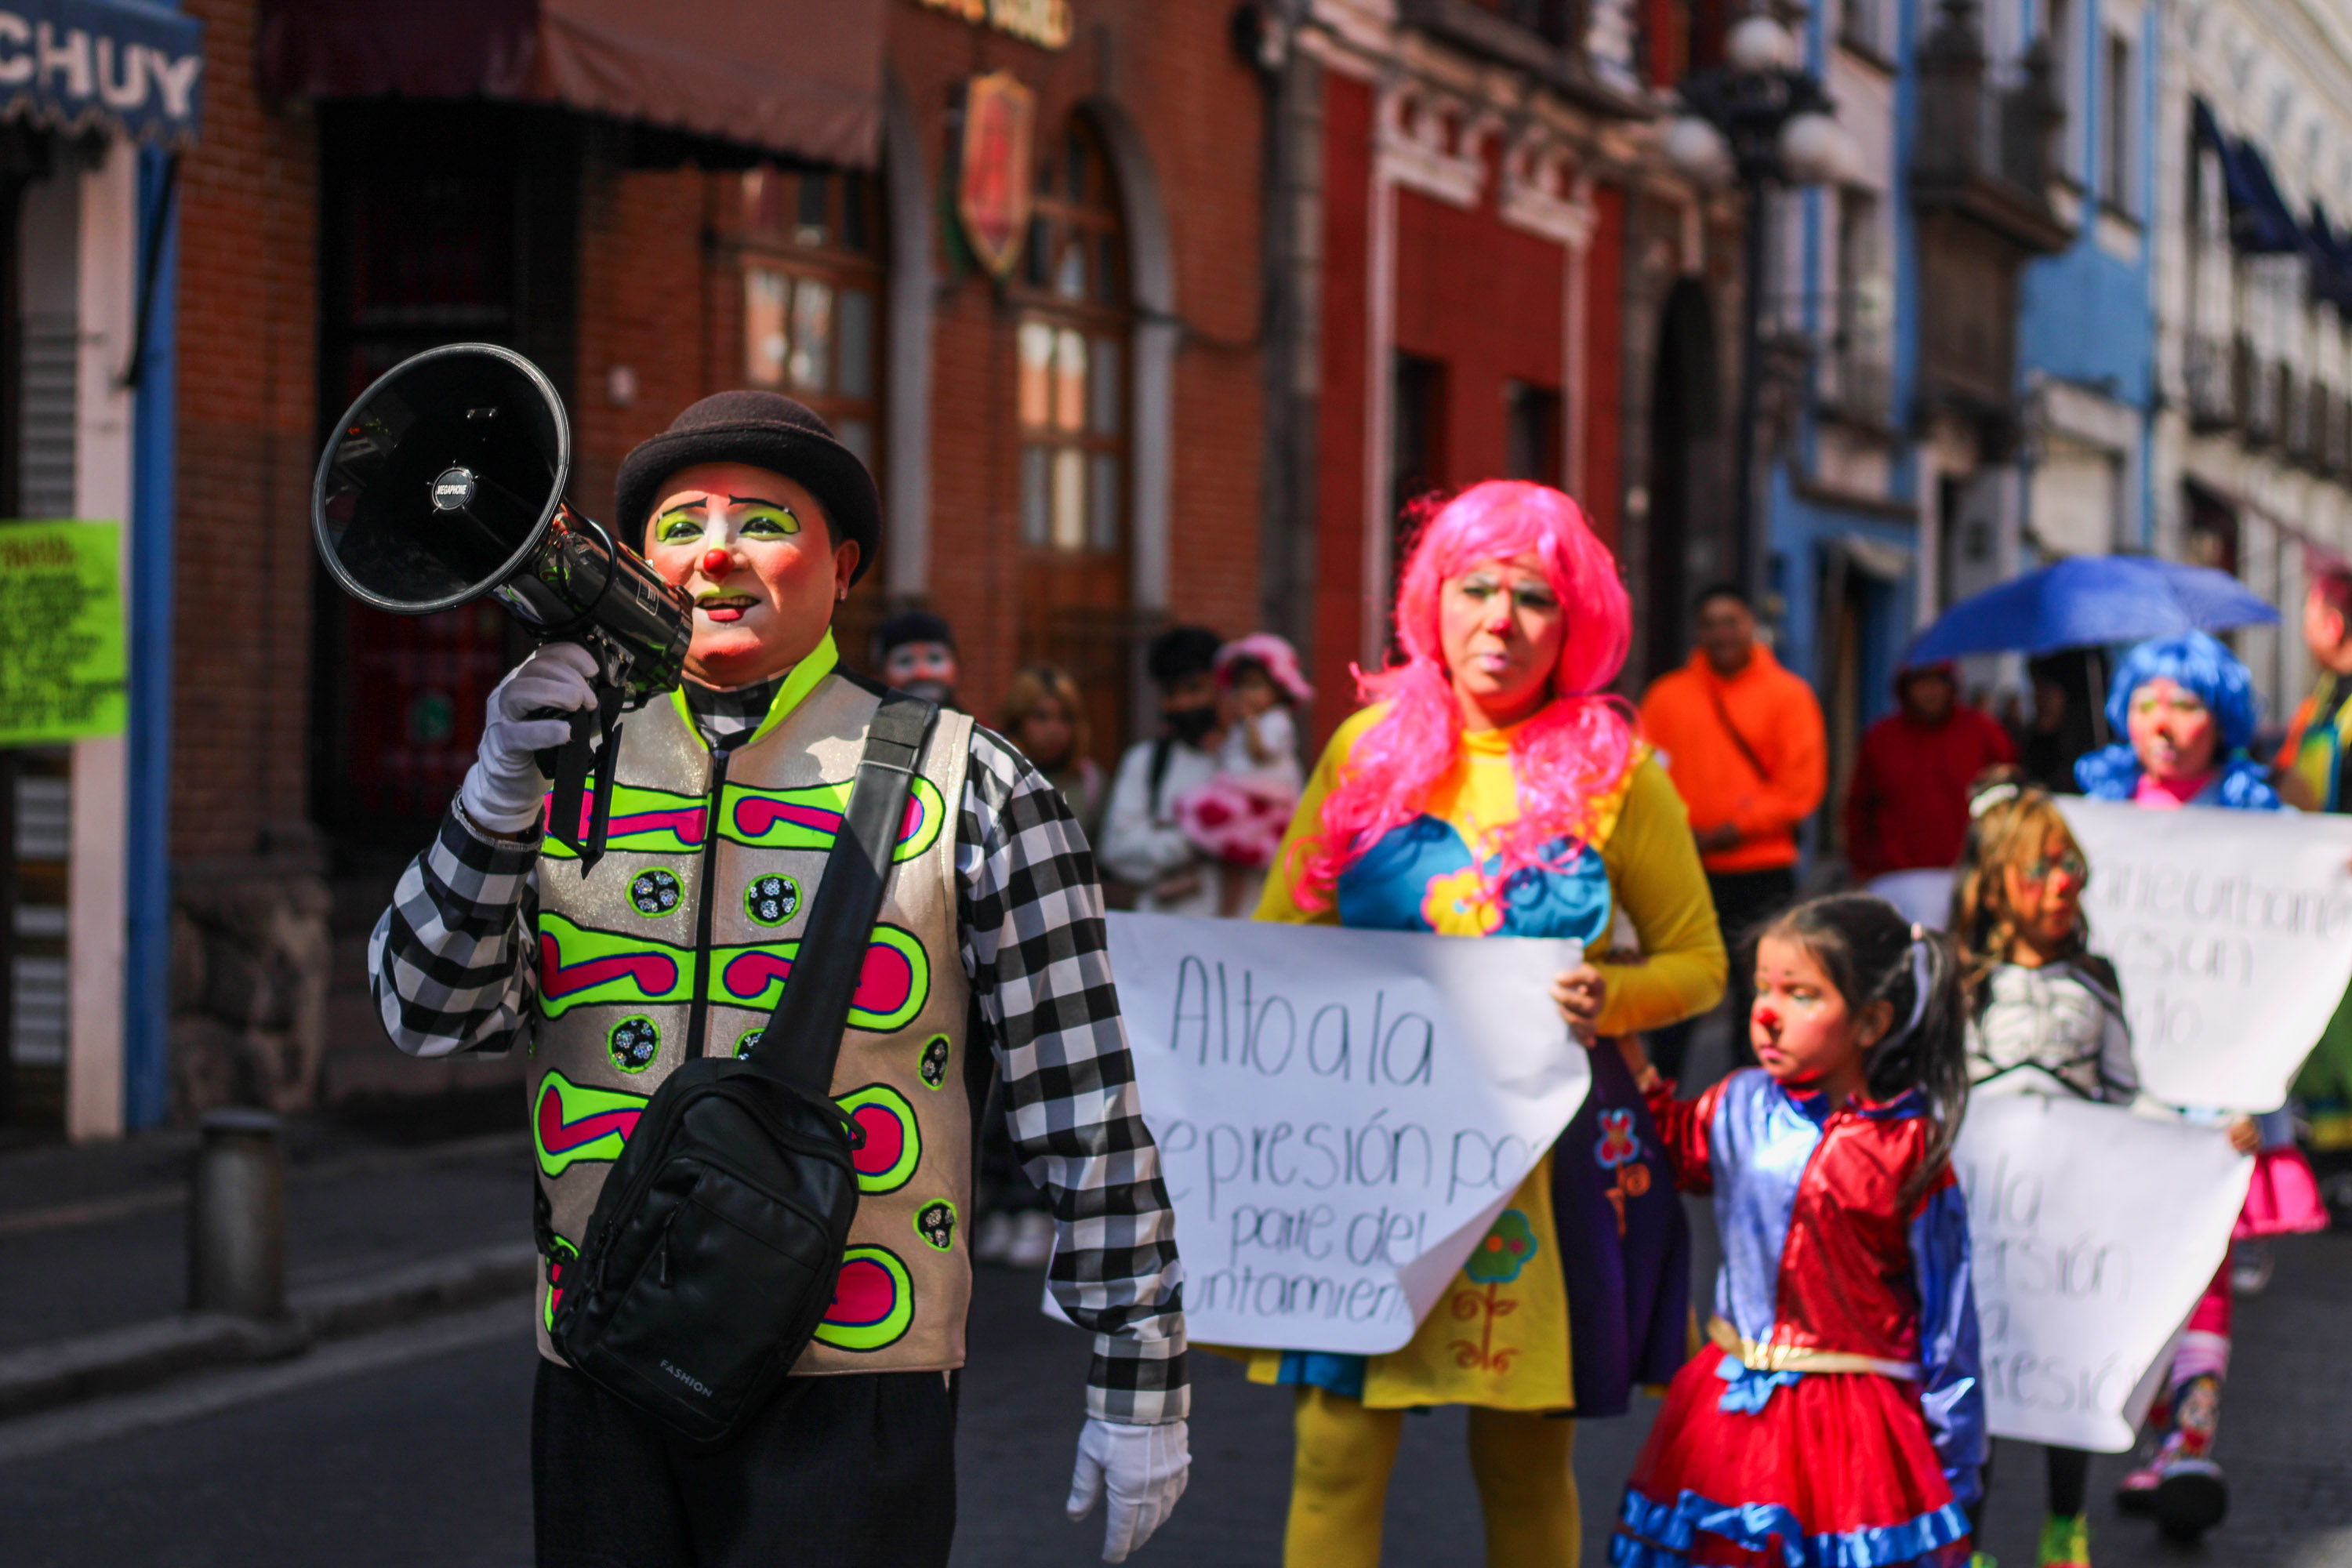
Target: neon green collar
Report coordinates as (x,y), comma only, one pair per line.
(790,695)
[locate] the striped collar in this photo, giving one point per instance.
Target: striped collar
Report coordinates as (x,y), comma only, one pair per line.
(721,716)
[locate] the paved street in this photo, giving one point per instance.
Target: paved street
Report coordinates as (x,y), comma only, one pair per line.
(409,1449)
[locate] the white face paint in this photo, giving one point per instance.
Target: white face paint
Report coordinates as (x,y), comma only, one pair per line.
(751,547)
(913,661)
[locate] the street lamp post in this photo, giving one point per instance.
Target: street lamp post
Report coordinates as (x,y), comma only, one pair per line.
(1761,121)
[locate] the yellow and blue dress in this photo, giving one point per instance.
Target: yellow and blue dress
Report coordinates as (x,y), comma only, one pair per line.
(1579,1290)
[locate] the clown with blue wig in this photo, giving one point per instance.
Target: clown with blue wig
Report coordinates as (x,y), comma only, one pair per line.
(2187,705)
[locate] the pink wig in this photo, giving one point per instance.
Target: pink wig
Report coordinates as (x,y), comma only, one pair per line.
(1574,749)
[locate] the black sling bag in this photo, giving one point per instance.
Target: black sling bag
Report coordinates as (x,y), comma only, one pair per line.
(718,1238)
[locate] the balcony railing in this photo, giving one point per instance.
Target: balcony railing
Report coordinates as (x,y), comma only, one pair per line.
(2212,385)
(2335,431)
(2261,411)
(1547,38)
(2302,416)
(1985,149)
(1856,383)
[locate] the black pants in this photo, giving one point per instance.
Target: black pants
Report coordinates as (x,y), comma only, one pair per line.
(855,1471)
(1745,903)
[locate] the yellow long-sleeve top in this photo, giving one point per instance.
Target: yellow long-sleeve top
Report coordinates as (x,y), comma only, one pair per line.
(1423,876)
(1652,866)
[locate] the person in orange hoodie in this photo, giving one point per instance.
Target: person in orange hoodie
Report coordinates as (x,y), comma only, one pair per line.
(1742,739)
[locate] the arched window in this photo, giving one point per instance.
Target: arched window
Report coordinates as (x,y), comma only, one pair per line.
(811,295)
(1075,322)
(810,241)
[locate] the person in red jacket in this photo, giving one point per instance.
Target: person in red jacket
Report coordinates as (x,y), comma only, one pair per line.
(1908,807)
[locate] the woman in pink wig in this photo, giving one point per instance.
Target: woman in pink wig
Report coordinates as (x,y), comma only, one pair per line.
(1490,789)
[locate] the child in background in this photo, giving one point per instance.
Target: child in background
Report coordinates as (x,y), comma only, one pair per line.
(1045,714)
(2045,1014)
(1839,1417)
(1239,816)
(2188,707)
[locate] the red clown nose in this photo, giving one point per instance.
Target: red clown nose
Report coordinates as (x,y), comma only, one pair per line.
(715,562)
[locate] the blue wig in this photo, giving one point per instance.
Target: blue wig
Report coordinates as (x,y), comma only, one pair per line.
(2198,664)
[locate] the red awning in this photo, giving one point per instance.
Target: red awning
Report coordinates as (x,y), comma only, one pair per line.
(800,78)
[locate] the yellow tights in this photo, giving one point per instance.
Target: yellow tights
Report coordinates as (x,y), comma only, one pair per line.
(1526,1485)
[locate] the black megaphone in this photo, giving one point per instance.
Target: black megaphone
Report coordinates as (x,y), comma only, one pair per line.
(445,483)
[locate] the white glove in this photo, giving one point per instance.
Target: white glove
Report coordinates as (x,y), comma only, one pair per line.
(1143,1468)
(504,789)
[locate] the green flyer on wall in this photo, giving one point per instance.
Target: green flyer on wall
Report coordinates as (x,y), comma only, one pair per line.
(62,659)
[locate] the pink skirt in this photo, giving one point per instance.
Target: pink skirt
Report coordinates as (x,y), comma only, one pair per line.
(2283,1197)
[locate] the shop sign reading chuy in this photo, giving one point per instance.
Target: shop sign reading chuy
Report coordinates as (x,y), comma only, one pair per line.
(72,64)
(1045,23)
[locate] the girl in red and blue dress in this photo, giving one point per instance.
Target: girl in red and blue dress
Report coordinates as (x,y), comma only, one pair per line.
(1837,1417)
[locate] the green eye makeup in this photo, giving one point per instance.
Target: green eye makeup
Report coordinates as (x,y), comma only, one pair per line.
(770,521)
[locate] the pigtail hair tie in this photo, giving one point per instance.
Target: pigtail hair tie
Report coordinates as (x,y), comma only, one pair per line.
(1921,979)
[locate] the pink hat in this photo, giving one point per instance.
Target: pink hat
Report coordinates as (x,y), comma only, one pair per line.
(1280,660)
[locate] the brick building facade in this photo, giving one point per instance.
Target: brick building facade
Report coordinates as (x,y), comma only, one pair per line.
(1492,272)
(1279,267)
(325,237)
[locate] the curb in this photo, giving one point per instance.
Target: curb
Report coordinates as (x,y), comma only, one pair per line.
(120,1361)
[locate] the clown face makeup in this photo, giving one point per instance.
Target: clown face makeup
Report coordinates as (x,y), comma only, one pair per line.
(2173,733)
(2045,893)
(1804,1034)
(752,548)
(1500,628)
(926,670)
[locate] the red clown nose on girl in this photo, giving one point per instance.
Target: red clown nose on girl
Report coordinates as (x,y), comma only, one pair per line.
(715,562)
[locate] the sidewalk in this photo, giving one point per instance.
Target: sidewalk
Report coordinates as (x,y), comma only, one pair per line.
(394,1210)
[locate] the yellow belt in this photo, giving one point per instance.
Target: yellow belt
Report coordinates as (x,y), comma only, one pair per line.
(1757,1357)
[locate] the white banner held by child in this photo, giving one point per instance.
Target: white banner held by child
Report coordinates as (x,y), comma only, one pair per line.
(2231,932)
(2092,1232)
(1340,1114)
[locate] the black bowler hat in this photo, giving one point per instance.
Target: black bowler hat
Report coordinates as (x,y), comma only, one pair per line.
(767,430)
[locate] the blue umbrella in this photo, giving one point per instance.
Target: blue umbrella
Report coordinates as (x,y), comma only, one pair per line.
(2089,601)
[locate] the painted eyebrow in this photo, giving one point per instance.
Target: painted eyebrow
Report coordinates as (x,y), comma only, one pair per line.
(704,504)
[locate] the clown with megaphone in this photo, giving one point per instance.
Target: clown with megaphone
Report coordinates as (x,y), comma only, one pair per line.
(987,955)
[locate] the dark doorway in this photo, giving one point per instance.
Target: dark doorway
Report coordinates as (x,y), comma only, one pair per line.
(1416,458)
(33,781)
(1682,414)
(1853,615)
(1417,432)
(441,222)
(1531,433)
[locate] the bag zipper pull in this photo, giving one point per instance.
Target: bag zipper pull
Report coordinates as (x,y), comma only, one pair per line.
(668,1226)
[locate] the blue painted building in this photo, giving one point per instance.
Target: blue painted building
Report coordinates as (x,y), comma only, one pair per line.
(1965,334)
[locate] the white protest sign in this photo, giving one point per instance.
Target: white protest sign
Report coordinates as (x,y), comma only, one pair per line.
(2232,934)
(1340,1114)
(2093,1231)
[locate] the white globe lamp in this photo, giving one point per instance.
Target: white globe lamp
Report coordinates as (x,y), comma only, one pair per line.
(1759,44)
(1815,150)
(1698,150)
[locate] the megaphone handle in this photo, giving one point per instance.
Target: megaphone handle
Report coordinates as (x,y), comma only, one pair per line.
(571,764)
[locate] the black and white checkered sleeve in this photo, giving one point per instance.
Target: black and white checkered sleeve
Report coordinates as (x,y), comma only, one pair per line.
(450,959)
(1034,947)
